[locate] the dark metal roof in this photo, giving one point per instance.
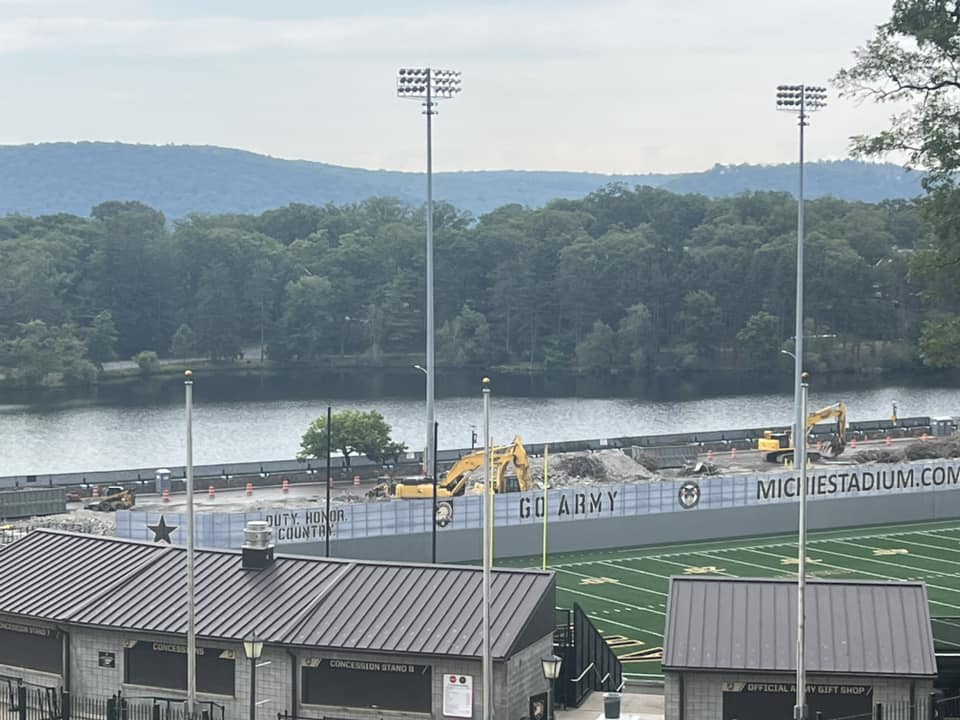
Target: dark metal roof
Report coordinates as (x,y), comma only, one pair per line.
(297,600)
(853,628)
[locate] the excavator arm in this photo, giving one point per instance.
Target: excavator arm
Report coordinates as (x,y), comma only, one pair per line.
(454,482)
(779,447)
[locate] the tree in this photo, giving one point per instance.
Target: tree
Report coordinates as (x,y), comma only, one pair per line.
(184,342)
(760,338)
(306,332)
(700,320)
(465,340)
(636,339)
(101,339)
(351,431)
(913,60)
(597,349)
(44,354)
(218,313)
(147,361)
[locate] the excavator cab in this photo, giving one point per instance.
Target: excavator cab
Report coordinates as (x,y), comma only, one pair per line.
(778,446)
(454,482)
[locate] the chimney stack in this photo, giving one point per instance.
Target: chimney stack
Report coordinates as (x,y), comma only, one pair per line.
(257,549)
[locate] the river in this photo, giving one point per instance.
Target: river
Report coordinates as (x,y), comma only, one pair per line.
(238,420)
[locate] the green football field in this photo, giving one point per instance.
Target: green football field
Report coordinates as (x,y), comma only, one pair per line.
(624,591)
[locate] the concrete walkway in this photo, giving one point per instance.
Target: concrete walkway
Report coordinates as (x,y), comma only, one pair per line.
(633,706)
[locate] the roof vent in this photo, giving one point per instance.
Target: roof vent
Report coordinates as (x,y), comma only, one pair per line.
(257,549)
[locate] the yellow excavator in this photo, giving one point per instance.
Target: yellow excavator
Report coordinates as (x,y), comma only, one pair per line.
(454,482)
(779,447)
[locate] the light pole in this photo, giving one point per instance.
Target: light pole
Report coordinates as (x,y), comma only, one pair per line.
(191,590)
(429,85)
(551,671)
(802,100)
(426,448)
(486,659)
(252,648)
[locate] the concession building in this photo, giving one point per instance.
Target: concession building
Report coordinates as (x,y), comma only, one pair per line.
(348,639)
(730,648)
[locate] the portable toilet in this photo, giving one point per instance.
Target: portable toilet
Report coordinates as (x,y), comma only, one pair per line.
(941,426)
(162,477)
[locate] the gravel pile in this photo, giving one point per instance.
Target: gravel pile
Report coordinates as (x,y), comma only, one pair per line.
(932,449)
(602,466)
(84,521)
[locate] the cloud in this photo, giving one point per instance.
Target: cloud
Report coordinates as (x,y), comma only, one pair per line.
(604,28)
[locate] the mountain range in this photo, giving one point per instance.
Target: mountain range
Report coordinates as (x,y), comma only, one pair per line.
(51,178)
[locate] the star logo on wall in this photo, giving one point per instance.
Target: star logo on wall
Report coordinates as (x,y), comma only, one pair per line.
(161,531)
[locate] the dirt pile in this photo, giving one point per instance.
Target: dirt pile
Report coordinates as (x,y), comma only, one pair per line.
(80,520)
(602,466)
(931,449)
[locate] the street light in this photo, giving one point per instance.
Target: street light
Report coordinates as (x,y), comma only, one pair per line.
(252,648)
(191,580)
(802,100)
(427,85)
(551,671)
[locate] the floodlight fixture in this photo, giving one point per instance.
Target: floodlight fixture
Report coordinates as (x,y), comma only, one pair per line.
(429,85)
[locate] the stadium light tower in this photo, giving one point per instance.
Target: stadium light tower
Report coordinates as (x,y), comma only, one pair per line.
(802,100)
(428,85)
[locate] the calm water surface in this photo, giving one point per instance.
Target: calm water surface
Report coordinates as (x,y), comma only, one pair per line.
(144,430)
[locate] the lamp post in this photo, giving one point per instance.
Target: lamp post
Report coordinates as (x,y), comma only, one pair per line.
(551,671)
(252,648)
(487,663)
(191,589)
(426,448)
(428,85)
(802,100)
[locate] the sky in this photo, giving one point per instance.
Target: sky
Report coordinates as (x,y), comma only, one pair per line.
(610,86)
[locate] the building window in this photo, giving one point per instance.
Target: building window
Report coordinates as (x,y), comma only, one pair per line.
(364,684)
(31,647)
(164,665)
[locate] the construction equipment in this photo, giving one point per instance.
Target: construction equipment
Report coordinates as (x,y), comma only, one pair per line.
(454,481)
(116,498)
(779,448)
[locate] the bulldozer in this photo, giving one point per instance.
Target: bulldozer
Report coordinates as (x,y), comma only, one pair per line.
(455,480)
(116,498)
(778,446)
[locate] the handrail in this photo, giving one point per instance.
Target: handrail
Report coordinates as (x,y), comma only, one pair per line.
(585,671)
(622,684)
(603,680)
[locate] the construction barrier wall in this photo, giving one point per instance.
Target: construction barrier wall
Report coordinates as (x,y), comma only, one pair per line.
(620,514)
(29,502)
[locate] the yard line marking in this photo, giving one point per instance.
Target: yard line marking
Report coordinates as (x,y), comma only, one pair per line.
(778,572)
(898,566)
(938,534)
(623,585)
(635,570)
(928,557)
(769,541)
(686,563)
(857,571)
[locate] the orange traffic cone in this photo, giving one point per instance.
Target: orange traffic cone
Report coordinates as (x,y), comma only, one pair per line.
(96,491)
(889,441)
(356,481)
(286,486)
(709,454)
(212,492)
(166,495)
(249,489)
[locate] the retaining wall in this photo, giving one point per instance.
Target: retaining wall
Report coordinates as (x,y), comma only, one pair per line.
(619,515)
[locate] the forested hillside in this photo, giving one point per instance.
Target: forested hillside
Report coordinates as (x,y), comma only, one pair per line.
(178,180)
(639,279)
